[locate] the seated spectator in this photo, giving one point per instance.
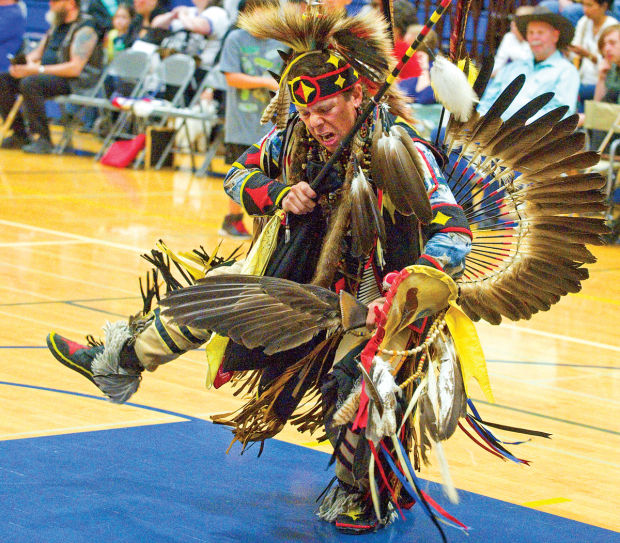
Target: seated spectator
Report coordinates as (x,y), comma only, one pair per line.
(404,17)
(101,11)
(608,81)
(68,59)
(585,45)
(608,90)
(419,88)
(573,11)
(547,70)
(12,28)
(118,38)
(197,31)
(141,26)
(513,45)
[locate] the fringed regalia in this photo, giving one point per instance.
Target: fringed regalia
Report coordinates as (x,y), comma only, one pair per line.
(387,224)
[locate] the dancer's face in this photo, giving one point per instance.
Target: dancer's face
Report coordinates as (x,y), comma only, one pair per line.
(330,120)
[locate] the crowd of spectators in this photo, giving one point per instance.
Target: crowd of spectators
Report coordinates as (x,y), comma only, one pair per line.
(569,48)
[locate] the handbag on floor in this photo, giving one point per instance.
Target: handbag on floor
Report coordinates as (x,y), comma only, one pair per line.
(122,153)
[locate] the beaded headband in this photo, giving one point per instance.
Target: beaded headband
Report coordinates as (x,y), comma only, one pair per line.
(306,90)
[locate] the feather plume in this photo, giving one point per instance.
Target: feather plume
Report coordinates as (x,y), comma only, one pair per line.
(534,251)
(452,89)
(366,219)
(579,161)
(539,157)
(521,140)
(276,314)
(401,172)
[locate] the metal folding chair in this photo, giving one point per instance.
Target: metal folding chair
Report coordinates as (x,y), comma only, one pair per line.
(212,129)
(605,117)
(5,127)
(173,75)
(129,67)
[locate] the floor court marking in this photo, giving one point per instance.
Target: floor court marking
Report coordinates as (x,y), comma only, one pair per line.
(67,278)
(62,234)
(560,364)
(571,392)
(565,452)
(37,243)
(79,301)
(102,399)
(549,501)
(598,345)
(87,428)
(548,417)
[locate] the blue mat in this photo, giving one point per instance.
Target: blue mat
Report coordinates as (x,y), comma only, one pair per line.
(174,482)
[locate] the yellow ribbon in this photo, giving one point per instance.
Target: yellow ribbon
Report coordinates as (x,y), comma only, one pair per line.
(254,264)
(469,350)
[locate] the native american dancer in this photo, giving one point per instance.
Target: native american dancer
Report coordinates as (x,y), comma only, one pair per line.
(345,314)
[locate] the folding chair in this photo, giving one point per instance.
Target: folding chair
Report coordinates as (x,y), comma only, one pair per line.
(173,75)
(605,117)
(212,128)
(5,127)
(129,67)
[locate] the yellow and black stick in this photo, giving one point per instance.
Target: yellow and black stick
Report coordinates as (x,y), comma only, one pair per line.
(430,23)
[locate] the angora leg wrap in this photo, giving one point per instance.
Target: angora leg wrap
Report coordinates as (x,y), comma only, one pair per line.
(114,381)
(336,502)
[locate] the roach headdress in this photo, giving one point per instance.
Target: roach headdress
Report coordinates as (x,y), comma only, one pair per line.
(358,48)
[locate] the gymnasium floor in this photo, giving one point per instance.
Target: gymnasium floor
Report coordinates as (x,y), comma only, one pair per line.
(74,467)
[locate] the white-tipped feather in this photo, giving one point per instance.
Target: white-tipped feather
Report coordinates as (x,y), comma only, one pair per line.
(452,89)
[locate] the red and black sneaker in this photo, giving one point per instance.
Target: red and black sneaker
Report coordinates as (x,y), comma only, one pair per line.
(233,227)
(357,520)
(73,355)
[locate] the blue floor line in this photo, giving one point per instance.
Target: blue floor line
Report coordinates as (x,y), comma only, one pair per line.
(100,398)
(47,302)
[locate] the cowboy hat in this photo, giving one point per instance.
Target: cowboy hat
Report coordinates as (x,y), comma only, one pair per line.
(562,24)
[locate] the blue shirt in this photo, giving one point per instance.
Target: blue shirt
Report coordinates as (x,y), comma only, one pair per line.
(12,27)
(554,74)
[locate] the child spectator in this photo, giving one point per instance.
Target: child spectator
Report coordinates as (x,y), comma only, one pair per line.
(246,62)
(404,18)
(117,39)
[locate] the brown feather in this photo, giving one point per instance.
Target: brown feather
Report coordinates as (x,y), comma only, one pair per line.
(555,151)
(523,115)
(404,174)
(580,161)
(580,182)
(366,220)
(590,225)
(560,130)
(565,208)
(520,141)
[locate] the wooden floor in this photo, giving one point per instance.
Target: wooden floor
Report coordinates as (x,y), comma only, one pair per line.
(71,235)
